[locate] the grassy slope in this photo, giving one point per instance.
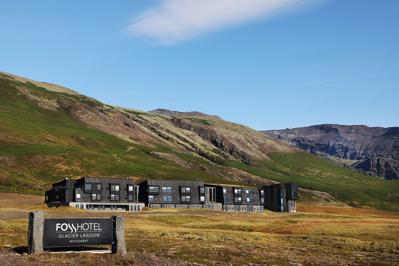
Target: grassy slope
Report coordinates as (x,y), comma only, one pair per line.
(316,173)
(39,146)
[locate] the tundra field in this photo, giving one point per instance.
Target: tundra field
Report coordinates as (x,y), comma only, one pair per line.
(320,233)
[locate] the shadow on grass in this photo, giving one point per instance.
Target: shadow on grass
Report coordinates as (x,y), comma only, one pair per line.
(20,250)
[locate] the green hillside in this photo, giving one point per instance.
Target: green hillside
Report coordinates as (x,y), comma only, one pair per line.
(39,146)
(44,137)
(315,173)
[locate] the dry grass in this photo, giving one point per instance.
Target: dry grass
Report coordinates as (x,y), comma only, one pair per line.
(318,235)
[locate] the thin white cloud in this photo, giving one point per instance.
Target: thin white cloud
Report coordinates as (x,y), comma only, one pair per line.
(172,21)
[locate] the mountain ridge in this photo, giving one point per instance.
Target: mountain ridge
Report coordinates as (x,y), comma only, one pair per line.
(167,112)
(373,150)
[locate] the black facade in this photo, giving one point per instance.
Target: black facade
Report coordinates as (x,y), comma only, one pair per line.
(281,197)
(94,193)
(292,191)
(237,198)
(105,190)
(236,195)
(123,194)
(172,193)
(61,193)
(196,194)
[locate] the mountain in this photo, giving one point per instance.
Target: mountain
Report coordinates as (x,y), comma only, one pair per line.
(176,113)
(373,150)
(48,132)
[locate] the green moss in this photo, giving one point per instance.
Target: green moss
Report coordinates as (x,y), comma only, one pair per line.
(200,121)
(135,112)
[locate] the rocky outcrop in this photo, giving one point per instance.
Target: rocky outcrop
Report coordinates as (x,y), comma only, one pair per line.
(373,150)
(219,141)
(387,168)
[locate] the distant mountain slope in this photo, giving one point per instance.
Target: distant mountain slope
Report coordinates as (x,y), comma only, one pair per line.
(48,132)
(373,150)
(176,113)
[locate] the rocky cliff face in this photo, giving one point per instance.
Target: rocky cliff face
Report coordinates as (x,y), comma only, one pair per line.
(373,150)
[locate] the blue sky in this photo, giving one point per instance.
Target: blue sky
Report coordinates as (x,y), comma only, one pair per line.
(268,65)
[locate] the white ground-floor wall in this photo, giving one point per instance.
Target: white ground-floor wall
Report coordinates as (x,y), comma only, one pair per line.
(101,206)
(243,208)
(212,206)
(291,206)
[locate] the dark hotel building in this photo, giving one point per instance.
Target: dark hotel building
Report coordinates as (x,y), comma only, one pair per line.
(95,194)
(123,195)
(281,197)
(172,193)
(238,198)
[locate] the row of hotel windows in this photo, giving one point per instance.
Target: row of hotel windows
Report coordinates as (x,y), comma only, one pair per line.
(90,187)
(113,187)
(169,198)
(155,189)
(97,197)
(114,194)
(239,191)
(187,198)
(239,199)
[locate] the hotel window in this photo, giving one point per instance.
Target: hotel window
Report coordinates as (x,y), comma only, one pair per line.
(153,189)
(262,192)
(114,197)
(237,199)
(151,198)
(247,191)
(224,191)
(248,200)
(87,187)
(115,188)
(99,187)
(136,193)
(166,189)
(202,198)
(167,198)
(77,196)
(202,190)
(262,200)
(130,188)
(185,198)
(95,197)
(185,190)
(237,191)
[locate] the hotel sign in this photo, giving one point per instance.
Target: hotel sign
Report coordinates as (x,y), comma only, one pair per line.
(77,232)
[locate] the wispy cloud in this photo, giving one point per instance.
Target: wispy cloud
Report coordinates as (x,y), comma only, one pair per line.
(172,21)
